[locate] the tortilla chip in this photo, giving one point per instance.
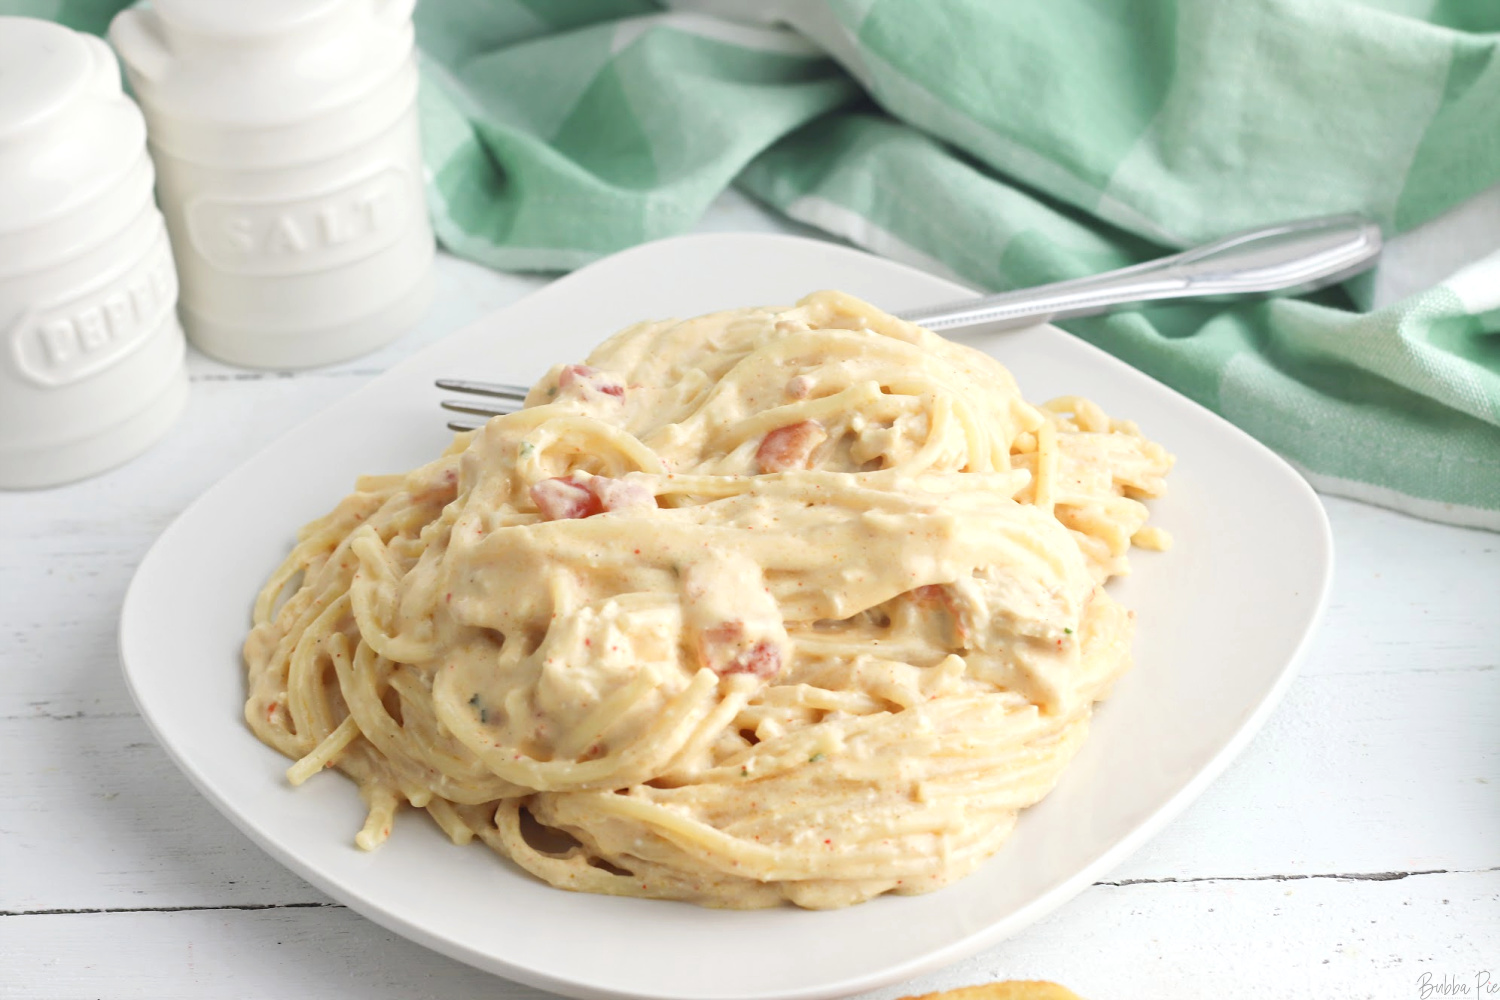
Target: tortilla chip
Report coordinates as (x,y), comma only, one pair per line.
(1013,989)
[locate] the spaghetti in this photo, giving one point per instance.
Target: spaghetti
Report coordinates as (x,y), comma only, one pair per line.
(774,604)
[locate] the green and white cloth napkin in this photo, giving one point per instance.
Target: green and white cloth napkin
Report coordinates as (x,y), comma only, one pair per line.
(1008,143)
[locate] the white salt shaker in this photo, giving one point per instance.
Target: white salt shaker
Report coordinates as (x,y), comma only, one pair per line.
(289,168)
(92,368)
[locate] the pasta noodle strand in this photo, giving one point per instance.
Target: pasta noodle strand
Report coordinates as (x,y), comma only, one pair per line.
(772,605)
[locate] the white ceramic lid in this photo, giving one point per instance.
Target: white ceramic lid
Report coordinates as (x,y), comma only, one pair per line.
(67,132)
(235,64)
(43,66)
(228,19)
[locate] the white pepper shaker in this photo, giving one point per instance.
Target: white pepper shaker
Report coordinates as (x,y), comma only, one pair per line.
(92,371)
(289,168)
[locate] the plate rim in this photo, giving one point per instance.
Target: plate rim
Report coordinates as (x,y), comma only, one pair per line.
(964,946)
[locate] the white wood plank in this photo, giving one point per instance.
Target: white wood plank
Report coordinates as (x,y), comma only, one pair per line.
(1313,939)
(1408,595)
(96,816)
(1300,940)
(1394,773)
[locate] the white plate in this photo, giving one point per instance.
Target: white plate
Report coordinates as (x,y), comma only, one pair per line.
(1223,618)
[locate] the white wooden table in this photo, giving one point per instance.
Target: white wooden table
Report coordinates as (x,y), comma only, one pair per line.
(1353,849)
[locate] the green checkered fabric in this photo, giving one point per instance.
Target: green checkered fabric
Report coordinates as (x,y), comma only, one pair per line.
(1009,143)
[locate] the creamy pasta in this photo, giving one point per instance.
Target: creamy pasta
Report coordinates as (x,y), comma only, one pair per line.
(772,604)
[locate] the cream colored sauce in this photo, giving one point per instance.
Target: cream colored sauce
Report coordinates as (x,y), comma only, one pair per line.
(775,604)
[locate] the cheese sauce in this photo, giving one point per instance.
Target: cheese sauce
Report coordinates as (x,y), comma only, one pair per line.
(773,604)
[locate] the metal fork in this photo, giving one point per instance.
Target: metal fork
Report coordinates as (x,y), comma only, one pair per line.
(1290,258)
(511,396)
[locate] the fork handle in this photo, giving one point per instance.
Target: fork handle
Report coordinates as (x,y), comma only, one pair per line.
(1290,258)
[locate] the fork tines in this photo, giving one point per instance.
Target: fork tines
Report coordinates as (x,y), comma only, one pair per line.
(509,399)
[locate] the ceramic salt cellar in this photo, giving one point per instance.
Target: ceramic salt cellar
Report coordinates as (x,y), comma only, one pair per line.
(286,146)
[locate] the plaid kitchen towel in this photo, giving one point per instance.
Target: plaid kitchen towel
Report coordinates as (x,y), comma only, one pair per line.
(1009,143)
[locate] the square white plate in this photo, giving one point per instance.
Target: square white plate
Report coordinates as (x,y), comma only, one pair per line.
(1223,618)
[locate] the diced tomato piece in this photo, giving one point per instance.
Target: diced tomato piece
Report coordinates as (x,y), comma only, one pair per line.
(790,447)
(559,499)
(620,494)
(762,659)
(723,649)
(563,498)
(585,378)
